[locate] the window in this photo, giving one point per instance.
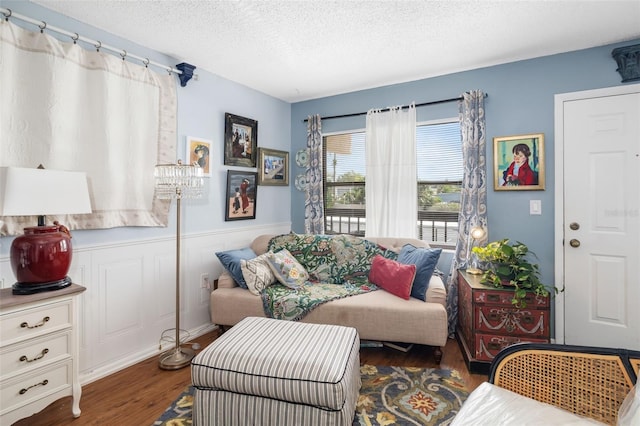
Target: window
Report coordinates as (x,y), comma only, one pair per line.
(439,160)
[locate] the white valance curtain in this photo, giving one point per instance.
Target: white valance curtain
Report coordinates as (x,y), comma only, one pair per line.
(70,108)
(391,189)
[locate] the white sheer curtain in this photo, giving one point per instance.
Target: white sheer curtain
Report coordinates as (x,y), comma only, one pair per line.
(391,188)
(71,108)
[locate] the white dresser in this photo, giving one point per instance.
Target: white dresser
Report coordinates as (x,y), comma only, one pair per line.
(39,346)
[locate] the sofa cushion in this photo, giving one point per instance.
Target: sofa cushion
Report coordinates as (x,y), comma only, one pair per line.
(392,276)
(489,404)
(257,273)
(230,259)
(378,315)
(287,270)
(425,260)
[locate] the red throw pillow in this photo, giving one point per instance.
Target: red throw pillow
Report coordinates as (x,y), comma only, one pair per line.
(392,276)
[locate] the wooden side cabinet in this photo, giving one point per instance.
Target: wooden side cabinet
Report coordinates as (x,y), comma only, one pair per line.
(39,350)
(488,321)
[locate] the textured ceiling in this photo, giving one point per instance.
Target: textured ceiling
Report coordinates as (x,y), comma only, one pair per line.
(299,50)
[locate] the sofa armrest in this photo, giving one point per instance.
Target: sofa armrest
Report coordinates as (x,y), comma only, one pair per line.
(587,381)
(226,280)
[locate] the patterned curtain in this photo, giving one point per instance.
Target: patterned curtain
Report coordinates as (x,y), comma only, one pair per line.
(314,199)
(473,203)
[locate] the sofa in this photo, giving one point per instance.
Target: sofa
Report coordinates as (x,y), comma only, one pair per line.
(552,384)
(379,315)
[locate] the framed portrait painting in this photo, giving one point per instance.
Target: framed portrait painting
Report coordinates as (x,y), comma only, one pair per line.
(240,141)
(198,150)
(273,167)
(518,163)
(241,195)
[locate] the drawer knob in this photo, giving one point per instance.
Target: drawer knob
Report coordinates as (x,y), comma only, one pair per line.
(493,297)
(40,324)
(42,354)
(42,383)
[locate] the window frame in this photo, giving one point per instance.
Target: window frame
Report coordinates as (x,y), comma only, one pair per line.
(356,217)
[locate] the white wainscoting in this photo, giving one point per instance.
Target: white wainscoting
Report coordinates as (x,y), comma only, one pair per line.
(130,296)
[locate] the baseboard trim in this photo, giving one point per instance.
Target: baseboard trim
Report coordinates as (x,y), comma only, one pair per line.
(122,363)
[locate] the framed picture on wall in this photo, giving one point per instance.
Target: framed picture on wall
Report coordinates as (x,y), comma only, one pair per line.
(198,150)
(273,167)
(242,191)
(518,162)
(240,141)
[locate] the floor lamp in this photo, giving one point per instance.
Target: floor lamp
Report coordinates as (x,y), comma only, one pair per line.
(177,181)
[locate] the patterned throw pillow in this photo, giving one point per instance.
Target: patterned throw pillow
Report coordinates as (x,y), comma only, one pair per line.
(257,273)
(312,251)
(288,271)
(354,256)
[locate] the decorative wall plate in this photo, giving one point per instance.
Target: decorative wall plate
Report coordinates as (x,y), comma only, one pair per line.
(301,182)
(302,158)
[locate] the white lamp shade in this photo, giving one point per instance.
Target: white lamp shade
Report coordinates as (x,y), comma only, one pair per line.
(35,192)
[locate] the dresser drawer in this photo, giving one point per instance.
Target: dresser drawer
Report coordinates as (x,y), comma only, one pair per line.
(504,297)
(487,346)
(35,353)
(28,323)
(37,384)
(528,322)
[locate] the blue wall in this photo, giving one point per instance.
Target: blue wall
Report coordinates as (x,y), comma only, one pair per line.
(201,108)
(520,101)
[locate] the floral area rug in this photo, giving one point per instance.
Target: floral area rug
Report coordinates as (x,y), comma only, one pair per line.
(389,396)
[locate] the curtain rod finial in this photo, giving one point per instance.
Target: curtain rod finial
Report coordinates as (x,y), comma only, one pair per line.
(187,72)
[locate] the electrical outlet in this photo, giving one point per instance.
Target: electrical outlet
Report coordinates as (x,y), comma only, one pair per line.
(204,281)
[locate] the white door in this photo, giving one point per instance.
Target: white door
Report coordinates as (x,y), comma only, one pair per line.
(598,217)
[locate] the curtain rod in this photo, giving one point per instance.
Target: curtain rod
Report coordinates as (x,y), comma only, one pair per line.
(355,114)
(75,37)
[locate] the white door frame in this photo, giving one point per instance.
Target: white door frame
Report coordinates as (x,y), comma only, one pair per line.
(559,101)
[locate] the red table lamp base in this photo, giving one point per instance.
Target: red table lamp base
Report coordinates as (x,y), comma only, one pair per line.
(40,260)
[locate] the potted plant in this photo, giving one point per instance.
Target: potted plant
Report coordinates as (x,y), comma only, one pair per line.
(509,266)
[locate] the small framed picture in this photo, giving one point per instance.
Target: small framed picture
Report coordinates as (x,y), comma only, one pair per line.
(240,141)
(198,150)
(518,162)
(242,191)
(273,167)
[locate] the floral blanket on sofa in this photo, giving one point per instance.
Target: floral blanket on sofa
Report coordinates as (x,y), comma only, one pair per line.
(338,266)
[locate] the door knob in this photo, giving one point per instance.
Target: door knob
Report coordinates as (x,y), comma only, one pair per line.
(574,226)
(574,243)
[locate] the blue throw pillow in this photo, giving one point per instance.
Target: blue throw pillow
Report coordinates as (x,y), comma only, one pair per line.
(231,261)
(425,260)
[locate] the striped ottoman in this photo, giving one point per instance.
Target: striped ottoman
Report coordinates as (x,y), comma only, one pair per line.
(273,372)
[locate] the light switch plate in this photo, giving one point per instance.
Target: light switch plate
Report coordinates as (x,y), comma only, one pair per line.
(535,207)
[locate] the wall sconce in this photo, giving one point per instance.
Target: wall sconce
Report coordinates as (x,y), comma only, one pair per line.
(476,233)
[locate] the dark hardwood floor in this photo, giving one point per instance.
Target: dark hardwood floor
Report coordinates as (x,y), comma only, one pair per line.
(138,395)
